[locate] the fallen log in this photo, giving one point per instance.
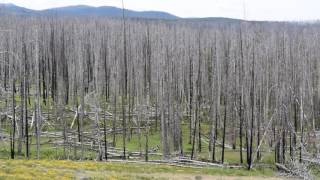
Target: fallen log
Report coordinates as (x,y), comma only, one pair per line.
(283,168)
(312,161)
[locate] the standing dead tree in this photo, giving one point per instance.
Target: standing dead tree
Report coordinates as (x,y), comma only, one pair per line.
(252,88)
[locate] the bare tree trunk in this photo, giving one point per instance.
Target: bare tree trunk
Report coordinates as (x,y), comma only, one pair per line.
(225,97)
(105,132)
(301,128)
(190,96)
(21,130)
(252,114)
(25,86)
(13,119)
(224,127)
(37,101)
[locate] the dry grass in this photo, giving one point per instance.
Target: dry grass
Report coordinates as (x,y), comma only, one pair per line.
(45,169)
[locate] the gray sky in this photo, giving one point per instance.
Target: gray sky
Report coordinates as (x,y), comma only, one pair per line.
(292,10)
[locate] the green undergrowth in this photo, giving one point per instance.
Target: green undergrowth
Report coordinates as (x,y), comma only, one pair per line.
(54,169)
(49,151)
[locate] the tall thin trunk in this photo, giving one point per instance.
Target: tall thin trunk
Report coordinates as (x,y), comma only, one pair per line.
(21,130)
(37,100)
(241,128)
(26,111)
(252,114)
(105,132)
(190,97)
(13,120)
(224,127)
(241,96)
(125,87)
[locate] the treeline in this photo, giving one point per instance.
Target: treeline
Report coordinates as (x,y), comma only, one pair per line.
(252,84)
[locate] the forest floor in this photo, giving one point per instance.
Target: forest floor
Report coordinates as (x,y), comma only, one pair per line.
(50,167)
(53,169)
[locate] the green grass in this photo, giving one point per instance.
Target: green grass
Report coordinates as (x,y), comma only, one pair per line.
(132,145)
(48,152)
(43,169)
(231,156)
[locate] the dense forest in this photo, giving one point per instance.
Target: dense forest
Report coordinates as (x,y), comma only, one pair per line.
(108,88)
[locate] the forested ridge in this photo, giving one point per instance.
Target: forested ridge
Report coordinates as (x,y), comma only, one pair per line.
(85,88)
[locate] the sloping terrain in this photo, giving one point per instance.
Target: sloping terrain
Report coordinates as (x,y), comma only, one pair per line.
(82,10)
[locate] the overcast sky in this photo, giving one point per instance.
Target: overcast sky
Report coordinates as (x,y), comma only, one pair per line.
(292,10)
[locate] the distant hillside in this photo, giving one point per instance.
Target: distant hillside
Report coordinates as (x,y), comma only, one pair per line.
(11,9)
(104,11)
(82,10)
